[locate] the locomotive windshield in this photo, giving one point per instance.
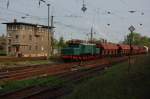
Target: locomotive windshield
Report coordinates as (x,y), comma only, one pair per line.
(73,45)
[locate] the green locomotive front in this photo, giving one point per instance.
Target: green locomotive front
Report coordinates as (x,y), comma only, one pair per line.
(82,51)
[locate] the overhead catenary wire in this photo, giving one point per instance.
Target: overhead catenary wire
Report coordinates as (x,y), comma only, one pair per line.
(26,14)
(4,19)
(18,12)
(43,18)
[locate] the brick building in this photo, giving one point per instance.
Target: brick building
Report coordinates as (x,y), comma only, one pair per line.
(27,40)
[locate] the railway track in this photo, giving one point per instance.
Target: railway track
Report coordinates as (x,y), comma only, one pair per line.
(47,70)
(39,70)
(33,71)
(53,92)
(16,59)
(58,91)
(48,92)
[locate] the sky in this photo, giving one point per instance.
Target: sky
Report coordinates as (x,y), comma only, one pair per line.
(72,23)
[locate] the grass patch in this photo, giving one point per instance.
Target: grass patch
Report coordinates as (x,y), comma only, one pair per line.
(15,85)
(56,58)
(117,83)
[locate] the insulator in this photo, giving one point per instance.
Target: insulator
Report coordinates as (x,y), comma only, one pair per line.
(142,13)
(83,8)
(108,24)
(108,12)
(132,11)
(141,24)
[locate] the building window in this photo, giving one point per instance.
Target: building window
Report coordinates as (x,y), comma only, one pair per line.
(30,47)
(23,27)
(26,28)
(23,36)
(17,36)
(9,49)
(14,27)
(43,29)
(17,48)
(42,48)
(1,47)
(17,27)
(9,35)
(20,27)
(9,41)
(36,47)
(42,38)
(30,37)
(9,27)
(32,28)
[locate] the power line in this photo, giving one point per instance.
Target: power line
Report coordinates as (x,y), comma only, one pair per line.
(70,26)
(15,11)
(123,2)
(4,19)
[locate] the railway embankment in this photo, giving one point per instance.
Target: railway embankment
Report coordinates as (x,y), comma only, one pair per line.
(63,84)
(66,82)
(118,82)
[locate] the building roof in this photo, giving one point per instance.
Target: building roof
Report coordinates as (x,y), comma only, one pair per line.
(30,24)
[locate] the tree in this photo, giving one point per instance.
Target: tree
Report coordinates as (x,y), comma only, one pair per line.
(61,44)
(55,43)
(137,39)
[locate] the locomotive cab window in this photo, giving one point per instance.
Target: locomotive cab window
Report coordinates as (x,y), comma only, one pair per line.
(74,45)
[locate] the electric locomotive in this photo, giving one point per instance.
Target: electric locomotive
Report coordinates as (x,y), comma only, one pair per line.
(79,50)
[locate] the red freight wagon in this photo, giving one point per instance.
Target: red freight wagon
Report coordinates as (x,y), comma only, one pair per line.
(143,50)
(123,49)
(75,41)
(107,49)
(134,49)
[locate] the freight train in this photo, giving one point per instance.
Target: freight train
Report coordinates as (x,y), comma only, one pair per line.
(78,50)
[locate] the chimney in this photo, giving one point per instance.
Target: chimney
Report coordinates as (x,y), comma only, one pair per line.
(15,20)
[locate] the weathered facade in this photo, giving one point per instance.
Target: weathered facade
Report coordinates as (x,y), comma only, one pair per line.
(28,40)
(2,45)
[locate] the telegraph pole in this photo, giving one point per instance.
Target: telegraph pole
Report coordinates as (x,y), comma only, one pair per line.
(48,47)
(91,34)
(52,35)
(131,29)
